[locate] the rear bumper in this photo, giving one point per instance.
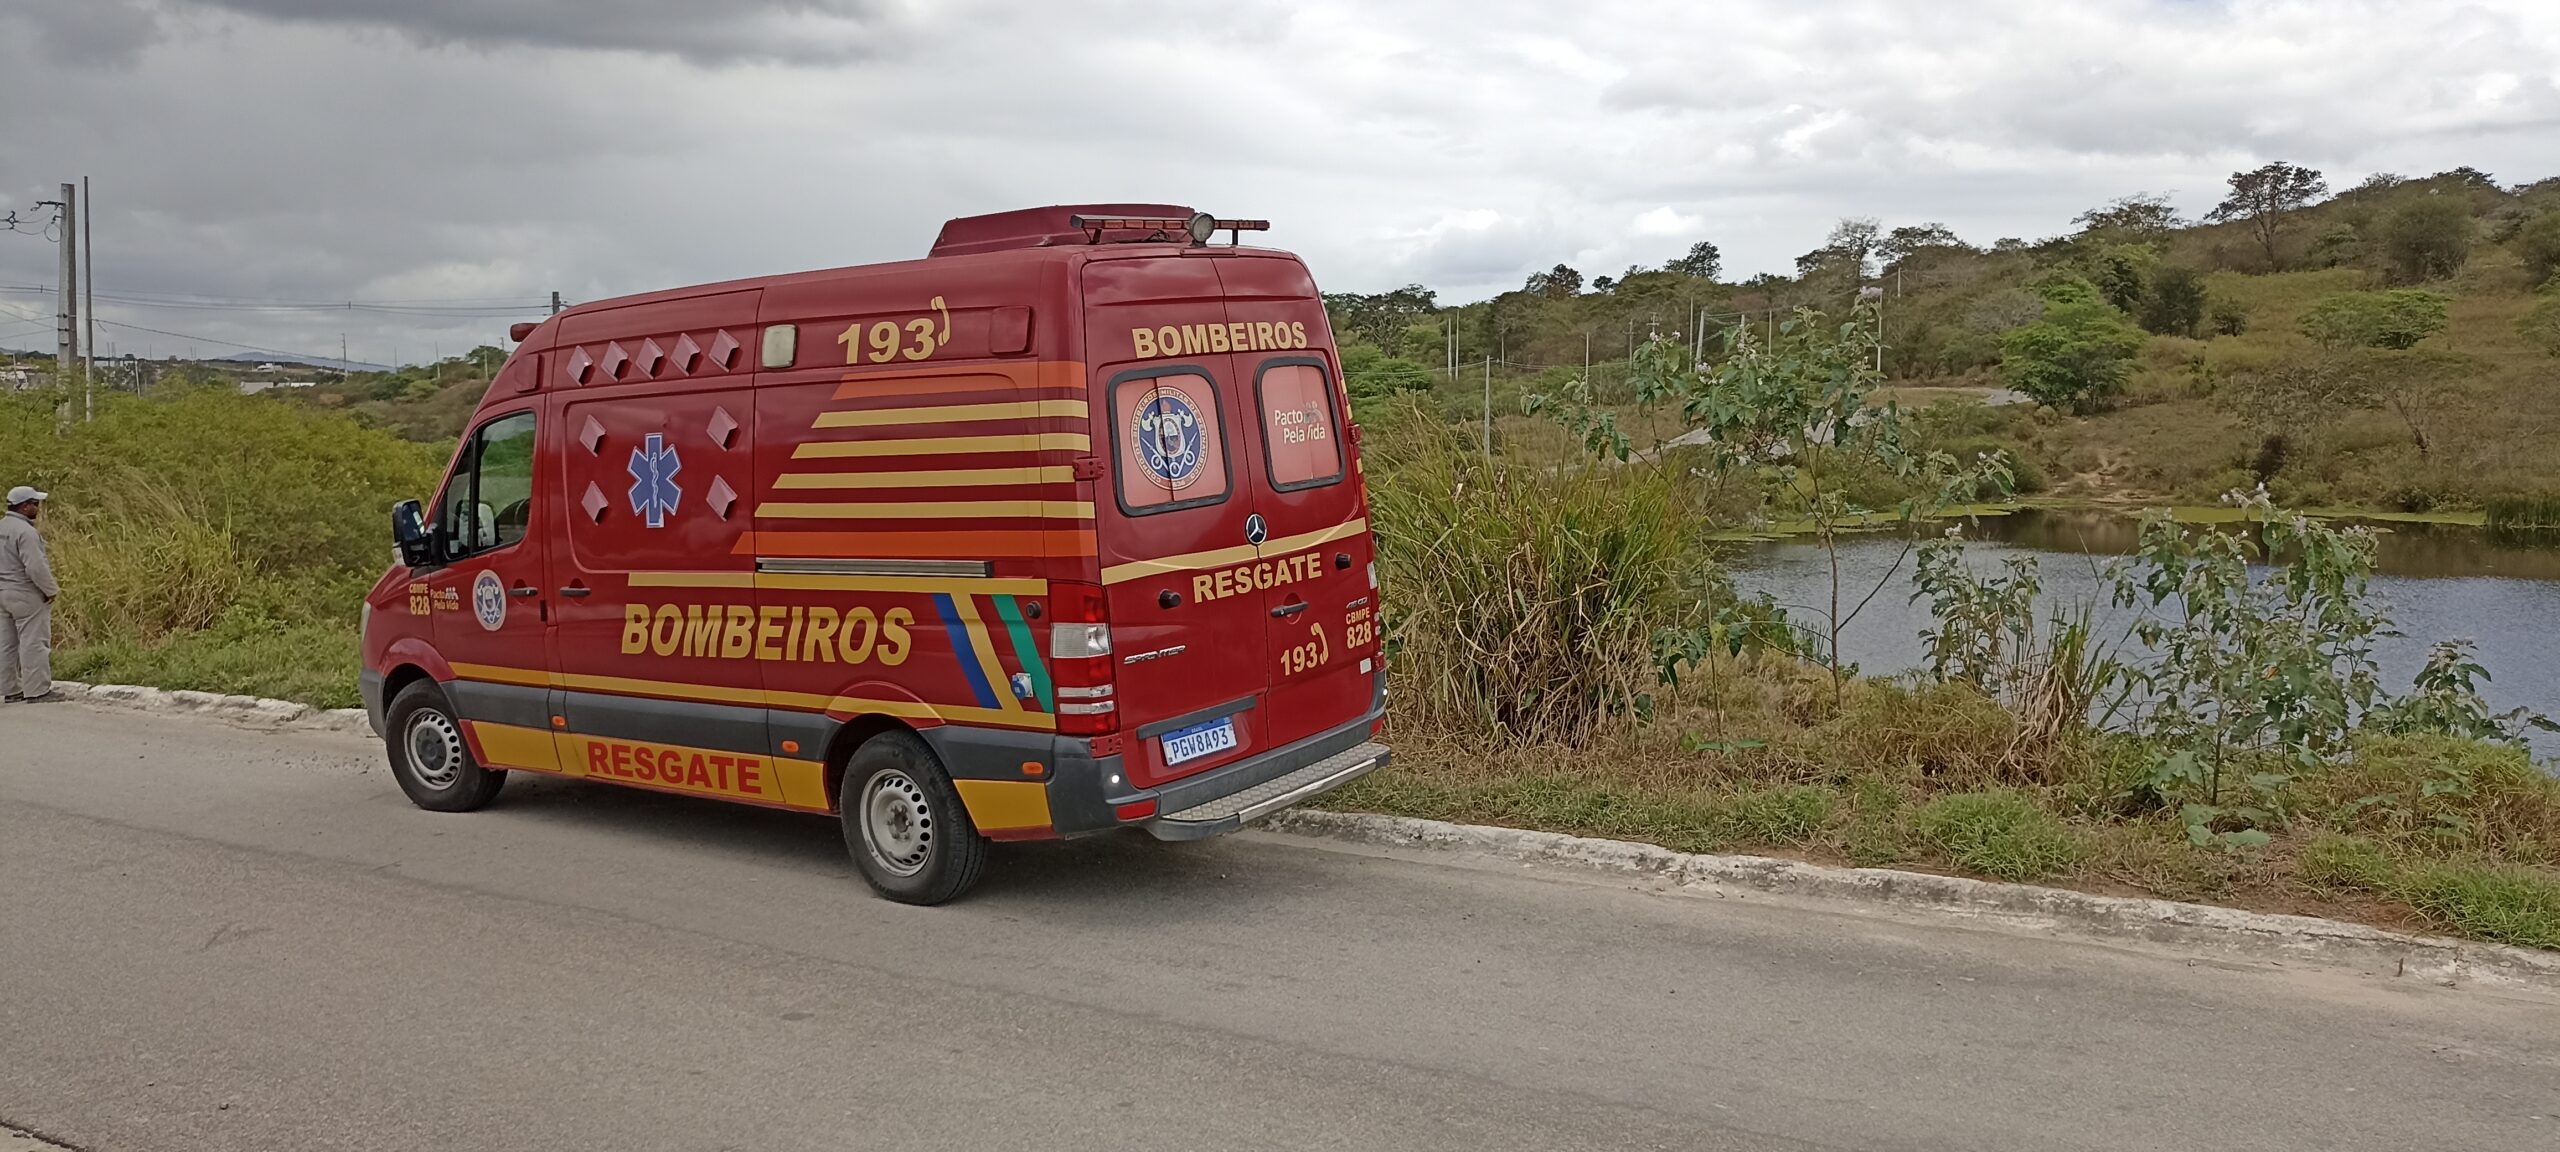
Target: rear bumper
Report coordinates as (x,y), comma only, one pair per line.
(1087,794)
(1234,810)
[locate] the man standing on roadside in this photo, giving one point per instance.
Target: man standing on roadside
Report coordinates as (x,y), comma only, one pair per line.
(27,590)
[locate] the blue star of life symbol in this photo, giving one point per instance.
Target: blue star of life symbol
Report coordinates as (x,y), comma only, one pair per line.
(653,480)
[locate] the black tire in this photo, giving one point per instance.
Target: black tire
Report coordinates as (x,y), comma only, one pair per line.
(904,824)
(429,756)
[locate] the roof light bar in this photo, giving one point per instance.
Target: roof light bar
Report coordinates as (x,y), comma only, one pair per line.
(1199,228)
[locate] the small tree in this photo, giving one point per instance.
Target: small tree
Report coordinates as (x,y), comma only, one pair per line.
(2397,319)
(1703,262)
(1797,409)
(2142,218)
(2263,197)
(2175,305)
(1558,283)
(2428,239)
(2079,353)
(2122,273)
(1900,246)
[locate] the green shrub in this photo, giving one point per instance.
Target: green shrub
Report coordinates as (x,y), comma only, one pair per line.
(2001,834)
(2175,304)
(2428,239)
(2397,319)
(2076,356)
(2538,245)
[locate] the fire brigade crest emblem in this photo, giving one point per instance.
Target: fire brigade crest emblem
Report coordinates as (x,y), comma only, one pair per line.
(1171,442)
(489,600)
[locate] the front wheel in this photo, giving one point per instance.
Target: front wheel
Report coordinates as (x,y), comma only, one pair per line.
(904,824)
(429,756)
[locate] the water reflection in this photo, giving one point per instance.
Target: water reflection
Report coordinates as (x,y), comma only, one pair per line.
(2437,582)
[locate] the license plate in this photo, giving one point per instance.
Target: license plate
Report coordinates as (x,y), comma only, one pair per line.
(1199,740)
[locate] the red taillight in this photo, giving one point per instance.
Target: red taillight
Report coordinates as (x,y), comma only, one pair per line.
(1136,809)
(1080,661)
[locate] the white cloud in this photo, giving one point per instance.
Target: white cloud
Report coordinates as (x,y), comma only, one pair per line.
(1666,221)
(302,150)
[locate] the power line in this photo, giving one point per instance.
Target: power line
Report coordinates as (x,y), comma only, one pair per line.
(454,311)
(223,343)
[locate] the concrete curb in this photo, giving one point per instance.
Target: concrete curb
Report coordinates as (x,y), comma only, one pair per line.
(256,711)
(2224,932)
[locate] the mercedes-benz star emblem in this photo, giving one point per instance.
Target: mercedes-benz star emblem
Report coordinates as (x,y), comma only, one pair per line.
(1255,531)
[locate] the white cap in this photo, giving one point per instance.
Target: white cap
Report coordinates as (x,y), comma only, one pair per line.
(23,494)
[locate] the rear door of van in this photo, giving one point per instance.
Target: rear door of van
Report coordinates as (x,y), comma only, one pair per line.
(1320,610)
(1175,512)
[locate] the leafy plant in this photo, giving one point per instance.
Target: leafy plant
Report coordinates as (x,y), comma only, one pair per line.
(2248,681)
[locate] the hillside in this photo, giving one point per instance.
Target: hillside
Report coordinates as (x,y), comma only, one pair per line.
(2187,341)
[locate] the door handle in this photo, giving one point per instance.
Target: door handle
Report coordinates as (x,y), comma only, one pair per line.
(1286,611)
(524,590)
(577,590)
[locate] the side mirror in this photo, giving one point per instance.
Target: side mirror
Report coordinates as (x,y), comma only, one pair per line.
(409,532)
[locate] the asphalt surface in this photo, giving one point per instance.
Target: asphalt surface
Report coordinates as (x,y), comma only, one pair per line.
(212,938)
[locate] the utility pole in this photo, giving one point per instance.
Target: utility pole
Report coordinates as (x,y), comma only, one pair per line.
(88,305)
(555,302)
(67,336)
(1488,407)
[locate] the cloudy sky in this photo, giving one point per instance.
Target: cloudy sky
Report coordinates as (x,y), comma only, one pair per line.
(438,162)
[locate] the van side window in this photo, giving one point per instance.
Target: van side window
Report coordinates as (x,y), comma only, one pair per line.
(1302,440)
(1170,441)
(489,502)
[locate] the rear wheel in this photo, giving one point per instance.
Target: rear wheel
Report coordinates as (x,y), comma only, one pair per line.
(429,756)
(904,824)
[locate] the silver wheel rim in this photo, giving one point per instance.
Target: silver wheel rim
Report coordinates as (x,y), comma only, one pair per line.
(435,749)
(897,823)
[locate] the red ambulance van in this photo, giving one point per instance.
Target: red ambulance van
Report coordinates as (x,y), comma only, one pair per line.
(1058,530)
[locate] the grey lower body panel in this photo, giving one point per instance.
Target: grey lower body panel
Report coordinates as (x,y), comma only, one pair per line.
(369,688)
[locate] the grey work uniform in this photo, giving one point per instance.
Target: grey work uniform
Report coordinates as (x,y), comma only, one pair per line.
(26,608)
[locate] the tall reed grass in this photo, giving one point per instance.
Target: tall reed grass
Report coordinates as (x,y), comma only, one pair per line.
(1526,597)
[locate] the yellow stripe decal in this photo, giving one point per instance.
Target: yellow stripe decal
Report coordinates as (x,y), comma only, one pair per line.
(747,776)
(932,510)
(819,582)
(986,650)
(508,746)
(953,414)
(941,478)
(944,446)
(791,701)
(1240,554)
(1004,805)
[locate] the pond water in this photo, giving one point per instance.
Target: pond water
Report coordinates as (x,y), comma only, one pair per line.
(2437,582)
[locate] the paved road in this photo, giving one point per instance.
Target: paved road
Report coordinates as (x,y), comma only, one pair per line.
(217,939)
